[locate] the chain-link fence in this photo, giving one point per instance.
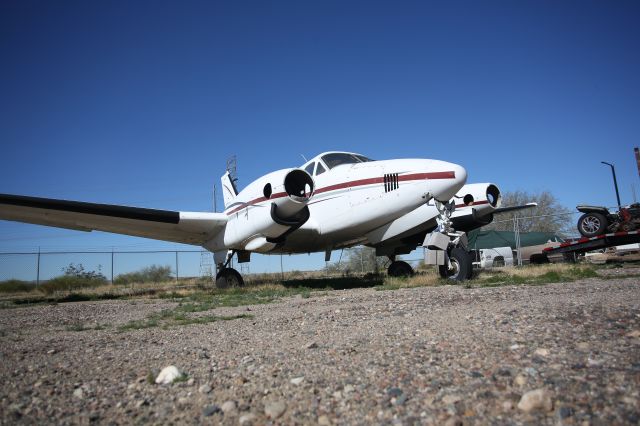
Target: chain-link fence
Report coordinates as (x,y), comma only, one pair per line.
(40,266)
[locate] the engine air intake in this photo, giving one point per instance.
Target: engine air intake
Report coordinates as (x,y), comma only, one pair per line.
(298,185)
(493,195)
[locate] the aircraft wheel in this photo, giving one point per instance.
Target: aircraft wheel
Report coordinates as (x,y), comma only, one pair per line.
(399,268)
(229,277)
(461,266)
(592,224)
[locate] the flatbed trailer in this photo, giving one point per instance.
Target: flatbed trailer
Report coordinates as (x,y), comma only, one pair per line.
(584,245)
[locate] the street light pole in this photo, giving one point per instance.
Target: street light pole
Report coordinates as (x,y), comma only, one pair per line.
(615,182)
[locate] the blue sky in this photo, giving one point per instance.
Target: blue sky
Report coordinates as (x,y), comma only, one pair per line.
(141,103)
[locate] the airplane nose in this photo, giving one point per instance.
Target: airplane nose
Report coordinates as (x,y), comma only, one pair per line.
(456,178)
(461,174)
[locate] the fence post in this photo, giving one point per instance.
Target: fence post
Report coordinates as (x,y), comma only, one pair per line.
(38,269)
(516,232)
(111,265)
(176,266)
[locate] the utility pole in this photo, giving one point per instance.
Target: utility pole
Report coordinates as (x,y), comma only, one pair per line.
(637,152)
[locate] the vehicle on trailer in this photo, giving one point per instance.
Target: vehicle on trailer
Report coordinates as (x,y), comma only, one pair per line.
(598,220)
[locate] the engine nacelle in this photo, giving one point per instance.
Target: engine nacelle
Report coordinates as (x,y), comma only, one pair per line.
(484,197)
(268,209)
(475,204)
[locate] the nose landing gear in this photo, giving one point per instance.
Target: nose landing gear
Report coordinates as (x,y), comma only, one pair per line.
(447,248)
(460,265)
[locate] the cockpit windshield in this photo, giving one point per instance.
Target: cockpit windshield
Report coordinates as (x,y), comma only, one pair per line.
(338,158)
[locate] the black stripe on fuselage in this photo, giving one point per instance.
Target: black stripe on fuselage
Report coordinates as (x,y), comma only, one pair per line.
(124,212)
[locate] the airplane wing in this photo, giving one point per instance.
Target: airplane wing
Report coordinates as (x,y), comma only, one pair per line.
(180,227)
(514,208)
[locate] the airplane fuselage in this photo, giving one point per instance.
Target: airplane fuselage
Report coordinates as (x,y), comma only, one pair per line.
(349,201)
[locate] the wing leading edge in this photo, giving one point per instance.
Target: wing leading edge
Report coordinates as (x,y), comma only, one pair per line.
(180,227)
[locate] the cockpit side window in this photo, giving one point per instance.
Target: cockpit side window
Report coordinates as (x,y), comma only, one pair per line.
(362,158)
(338,158)
(309,168)
(320,169)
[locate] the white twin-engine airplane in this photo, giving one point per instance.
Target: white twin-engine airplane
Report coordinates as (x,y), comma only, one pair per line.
(335,200)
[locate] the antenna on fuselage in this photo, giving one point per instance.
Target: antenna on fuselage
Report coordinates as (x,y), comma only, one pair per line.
(304,158)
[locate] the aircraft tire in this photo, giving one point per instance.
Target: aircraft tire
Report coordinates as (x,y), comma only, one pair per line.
(462,266)
(538,259)
(229,277)
(399,268)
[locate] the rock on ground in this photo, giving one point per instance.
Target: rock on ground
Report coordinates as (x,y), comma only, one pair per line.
(539,399)
(168,375)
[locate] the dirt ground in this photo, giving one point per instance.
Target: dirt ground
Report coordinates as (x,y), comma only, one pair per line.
(430,355)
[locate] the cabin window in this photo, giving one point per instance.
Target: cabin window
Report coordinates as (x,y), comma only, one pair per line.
(320,169)
(309,168)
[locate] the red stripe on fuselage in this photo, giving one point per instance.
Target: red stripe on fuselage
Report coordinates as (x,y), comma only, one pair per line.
(354,183)
(428,176)
(256,201)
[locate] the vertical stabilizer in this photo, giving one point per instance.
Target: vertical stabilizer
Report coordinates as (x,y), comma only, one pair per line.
(229,190)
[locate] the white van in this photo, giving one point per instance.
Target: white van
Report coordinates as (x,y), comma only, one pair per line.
(493,257)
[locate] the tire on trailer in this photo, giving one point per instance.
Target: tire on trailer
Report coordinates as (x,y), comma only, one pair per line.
(400,268)
(538,259)
(592,224)
(461,266)
(229,277)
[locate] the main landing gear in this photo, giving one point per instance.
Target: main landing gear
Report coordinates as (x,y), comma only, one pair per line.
(398,268)
(228,277)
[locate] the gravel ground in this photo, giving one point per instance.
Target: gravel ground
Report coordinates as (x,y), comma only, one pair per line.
(553,354)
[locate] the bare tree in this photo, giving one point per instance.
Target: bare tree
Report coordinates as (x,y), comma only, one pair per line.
(549,216)
(359,260)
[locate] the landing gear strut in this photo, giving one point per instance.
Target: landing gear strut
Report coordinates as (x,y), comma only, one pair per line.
(228,277)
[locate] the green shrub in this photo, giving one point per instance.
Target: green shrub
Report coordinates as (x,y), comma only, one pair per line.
(16,286)
(75,277)
(151,274)
(70,283)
